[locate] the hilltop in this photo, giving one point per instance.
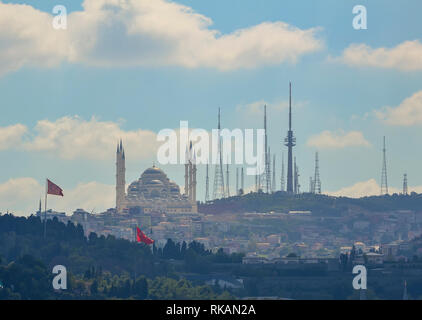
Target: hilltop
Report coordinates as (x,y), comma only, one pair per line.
(322,205)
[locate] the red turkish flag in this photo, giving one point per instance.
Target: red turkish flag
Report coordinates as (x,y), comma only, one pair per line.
(54,189)
(141,237)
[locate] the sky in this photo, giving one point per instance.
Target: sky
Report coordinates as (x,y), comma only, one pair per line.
(128,69)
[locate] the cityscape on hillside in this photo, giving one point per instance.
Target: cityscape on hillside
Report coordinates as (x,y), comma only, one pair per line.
(287,221)
(210,150)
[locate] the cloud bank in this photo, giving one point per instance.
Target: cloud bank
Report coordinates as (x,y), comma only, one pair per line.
(406,56)
(367,188)
(338,140)
(127,33)
(408,113)
(21,196)
(75,138)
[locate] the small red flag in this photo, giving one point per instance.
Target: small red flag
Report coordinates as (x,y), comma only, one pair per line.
(54,189)
(141,237)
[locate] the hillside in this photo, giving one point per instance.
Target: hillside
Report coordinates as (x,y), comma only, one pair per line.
(322,205)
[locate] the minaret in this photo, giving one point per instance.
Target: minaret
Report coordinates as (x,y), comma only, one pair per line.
(194,178)
(290,142)
(190,193)
(120,178)
(187,159)
(207,186)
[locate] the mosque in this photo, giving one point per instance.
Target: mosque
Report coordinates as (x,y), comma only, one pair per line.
(154,191)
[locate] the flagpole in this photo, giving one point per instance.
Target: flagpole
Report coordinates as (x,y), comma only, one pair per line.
(45,209)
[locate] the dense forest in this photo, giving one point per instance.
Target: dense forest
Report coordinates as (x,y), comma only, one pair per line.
(319,204)
(98,267)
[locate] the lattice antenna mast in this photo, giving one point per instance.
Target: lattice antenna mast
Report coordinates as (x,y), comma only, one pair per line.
(267,177)
(274,183)
(228,181)
(384,182)
(283,182)
(237,181)
(290,142)
(218,191)
(207,186)
(317,181)
(242,181)
(311,185)
(405,190)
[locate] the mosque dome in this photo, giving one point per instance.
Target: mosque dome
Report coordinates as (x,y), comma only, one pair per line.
(155,182)
(154,171)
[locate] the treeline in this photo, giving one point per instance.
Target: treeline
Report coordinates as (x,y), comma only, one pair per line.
(23,247)
(28,278)
(318,204)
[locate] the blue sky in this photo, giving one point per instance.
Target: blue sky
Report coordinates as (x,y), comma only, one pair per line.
(330,93)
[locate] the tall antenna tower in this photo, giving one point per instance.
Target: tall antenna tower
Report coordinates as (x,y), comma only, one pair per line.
(274,183)
(290,142)
(260,175)
(384,183)
(405,191)
(317,181)
(311,185)
(296,179)
(228,181)
(267,176)
(207,187)
(218,191)
(283,182)
(242,180)
(237,181)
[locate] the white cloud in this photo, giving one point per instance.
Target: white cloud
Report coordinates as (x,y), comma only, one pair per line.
(11,136)
(144,33)
(359,189)
(252,114)
(368,188)
(257,108)
(408,113)
(336,140)
(406,56)
(91,196)
(21,197)
(27,38)
(72,137)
